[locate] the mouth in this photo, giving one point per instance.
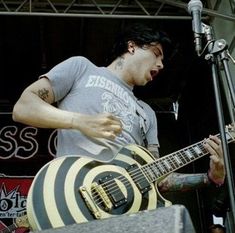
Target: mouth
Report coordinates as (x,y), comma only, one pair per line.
(154,73)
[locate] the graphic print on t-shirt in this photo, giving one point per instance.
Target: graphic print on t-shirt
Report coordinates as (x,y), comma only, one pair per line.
(118,101)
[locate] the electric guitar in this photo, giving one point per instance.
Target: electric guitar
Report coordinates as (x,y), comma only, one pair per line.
(73,189)
(19,222)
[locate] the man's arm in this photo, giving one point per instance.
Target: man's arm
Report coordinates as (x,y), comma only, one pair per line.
(183,182)
(186,182)
(35,108)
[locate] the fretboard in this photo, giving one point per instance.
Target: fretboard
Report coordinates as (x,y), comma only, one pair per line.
(176,160)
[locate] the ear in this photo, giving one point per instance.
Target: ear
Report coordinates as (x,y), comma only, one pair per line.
(131,46)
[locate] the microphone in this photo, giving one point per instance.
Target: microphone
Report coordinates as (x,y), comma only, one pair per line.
(195,8)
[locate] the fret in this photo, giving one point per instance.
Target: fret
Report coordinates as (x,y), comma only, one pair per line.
(155,170)
(172,162)
(189,154)
(202,148)
(179,162)
(160,167)
(182,158)
(146,172)
(164,166)
(167,165)
(197,150)
(185,155)
(150,173)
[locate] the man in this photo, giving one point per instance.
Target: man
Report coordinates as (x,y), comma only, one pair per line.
(97,111)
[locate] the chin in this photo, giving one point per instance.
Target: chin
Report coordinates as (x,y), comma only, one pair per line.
(144,83)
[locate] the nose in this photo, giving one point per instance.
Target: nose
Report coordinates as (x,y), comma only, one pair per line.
(159,64)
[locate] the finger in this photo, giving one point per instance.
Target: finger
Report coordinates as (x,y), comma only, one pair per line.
(213,147)
(117,123)
(212,144)
(209,147)
(215,142)
(111,117)
(215,159)
(109,135)
(117,129)
(215,139)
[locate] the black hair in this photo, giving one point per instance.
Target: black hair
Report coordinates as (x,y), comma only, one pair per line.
(141,35)
(217,226)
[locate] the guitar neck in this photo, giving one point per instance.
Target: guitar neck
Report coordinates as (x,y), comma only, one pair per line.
(172,162)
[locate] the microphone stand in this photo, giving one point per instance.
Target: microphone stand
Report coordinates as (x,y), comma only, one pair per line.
(217,51)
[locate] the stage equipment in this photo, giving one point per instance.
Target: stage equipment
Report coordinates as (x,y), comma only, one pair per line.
(216,53)
(195,9)
(173,219)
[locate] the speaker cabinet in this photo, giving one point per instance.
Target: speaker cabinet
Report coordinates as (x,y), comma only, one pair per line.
(173,219)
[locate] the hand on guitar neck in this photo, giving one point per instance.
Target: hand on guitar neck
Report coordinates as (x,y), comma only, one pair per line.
(216,172)
(185,182)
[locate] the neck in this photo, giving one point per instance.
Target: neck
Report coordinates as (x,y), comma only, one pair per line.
(117,67)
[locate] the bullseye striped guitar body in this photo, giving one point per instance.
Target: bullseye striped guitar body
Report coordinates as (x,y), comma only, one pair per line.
(73,189)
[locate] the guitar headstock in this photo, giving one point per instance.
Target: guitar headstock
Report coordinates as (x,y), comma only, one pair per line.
(22,221)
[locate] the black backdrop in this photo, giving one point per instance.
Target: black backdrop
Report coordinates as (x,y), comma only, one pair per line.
(29,46)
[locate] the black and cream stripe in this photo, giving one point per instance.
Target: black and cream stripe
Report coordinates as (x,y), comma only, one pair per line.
(54,199)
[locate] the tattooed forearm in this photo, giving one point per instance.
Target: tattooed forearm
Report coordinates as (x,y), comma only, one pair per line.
(183,182)
(43,94)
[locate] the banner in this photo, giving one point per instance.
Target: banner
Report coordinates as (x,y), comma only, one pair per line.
(19,141)
(13,197)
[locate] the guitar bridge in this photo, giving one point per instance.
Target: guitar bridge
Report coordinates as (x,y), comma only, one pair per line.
(104,197)
(89,202)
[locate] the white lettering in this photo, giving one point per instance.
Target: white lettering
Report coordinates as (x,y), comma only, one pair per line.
(23,143)
(106,84)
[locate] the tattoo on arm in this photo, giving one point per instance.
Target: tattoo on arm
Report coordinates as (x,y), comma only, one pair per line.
(43,94)
(183,182)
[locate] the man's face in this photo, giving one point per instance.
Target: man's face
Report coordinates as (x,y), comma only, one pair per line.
(147,63)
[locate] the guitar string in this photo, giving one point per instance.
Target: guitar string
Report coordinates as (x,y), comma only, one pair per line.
(145,170)
(192,149)
(140,173)
(116,189)
(181,153)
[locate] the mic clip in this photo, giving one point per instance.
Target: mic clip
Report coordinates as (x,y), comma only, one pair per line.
(206,32)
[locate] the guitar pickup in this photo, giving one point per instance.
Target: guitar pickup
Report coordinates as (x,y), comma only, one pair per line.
(139,178)
(113,190)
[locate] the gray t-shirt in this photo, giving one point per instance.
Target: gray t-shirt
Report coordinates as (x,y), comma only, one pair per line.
(80,86)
